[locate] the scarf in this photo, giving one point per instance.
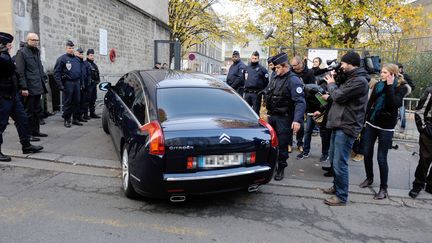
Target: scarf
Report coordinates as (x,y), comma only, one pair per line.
(379,98)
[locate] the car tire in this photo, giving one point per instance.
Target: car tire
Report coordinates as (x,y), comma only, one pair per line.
(128,189)
(105,120)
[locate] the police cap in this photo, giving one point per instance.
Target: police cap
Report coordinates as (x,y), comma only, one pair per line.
(280,58)
(90,51)
(5,38)
(80,50)
(255,54)
(70,43)
(236,53)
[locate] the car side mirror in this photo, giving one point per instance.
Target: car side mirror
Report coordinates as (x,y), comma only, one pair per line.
(104,86)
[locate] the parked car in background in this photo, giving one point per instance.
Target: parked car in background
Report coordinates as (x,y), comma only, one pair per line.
(221,77)
(180,134)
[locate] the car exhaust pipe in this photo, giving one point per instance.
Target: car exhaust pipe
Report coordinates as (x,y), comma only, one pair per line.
(177,198)
(253,188)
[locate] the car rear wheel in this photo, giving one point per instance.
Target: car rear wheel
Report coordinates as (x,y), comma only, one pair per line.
(105,120)
(128,189)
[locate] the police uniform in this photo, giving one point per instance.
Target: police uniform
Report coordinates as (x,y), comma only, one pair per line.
(67,74)
(256,81)
(285,104)
(94,79)
(235,77)
(84,83)
(273,71)
(10,100)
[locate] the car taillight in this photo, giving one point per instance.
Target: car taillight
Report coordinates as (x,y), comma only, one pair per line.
(191,163)
(273,136)
(250,158)
(156,141)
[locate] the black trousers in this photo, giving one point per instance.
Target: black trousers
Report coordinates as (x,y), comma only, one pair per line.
(33,108)
(15,109)
(254,100)
(421,174)
(282,125)
(92,96)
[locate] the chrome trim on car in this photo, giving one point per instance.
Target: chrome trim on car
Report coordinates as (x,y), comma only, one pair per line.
(136,178)
(197,176)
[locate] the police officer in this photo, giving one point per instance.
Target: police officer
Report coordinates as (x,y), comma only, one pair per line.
(10,100)
(256,80)
(67,74)
(84,83)
(235,77)
(285,106)
(94,78)
(271,67)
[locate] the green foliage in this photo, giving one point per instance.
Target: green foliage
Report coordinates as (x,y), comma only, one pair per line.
(420,69)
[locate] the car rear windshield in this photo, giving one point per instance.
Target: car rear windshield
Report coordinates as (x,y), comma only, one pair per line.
(174,103)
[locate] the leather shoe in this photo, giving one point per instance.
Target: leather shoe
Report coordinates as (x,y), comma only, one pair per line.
(334,201)
(80,119)
(329,190)
(4,158)
(381,194)
(76,122)
(34,139)
(93,115)
(279,174)
(67,123)
(39,134)
(329,173)
(31,149)
(414,192)
(366,183)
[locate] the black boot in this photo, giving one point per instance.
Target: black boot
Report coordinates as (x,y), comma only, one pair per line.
(3,157)
(86,116)
(279,173)
(67,123)
(76,122)
(29,148)
(80,119)
(93,115)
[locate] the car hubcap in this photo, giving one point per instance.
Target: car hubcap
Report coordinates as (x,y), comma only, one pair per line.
(125,166)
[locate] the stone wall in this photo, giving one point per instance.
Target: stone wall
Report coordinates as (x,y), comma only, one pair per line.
(131,32)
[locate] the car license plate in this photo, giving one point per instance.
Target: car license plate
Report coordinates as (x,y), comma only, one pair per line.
(214,161)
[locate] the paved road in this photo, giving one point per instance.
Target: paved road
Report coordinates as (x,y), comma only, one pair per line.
(59,205)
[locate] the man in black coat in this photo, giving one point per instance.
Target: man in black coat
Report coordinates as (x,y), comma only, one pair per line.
(32,79)
(10,100)
(94,79)
(236,73)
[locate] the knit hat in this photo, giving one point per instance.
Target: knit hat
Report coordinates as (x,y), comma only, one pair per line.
(351,58)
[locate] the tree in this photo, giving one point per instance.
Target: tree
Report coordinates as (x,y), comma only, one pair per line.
(339,23)
(193,21)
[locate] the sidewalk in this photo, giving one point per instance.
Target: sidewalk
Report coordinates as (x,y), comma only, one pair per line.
(89,146)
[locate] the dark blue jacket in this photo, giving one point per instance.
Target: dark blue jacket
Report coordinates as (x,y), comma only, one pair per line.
(257,77)
(285,97)
(67,68)
(235,77)
(94,75)
(85,74)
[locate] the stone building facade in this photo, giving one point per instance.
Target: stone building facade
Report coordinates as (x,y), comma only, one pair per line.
(129,27)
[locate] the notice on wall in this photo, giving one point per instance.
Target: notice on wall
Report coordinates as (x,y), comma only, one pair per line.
(103,42)
(325,55)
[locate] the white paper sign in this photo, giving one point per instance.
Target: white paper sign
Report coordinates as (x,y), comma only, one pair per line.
(325,55)
(103,42)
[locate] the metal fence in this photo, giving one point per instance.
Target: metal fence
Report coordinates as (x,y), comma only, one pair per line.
(410,132)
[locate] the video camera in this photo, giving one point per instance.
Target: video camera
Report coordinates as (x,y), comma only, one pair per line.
(331,65)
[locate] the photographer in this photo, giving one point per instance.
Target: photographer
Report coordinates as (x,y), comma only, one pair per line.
(345,118)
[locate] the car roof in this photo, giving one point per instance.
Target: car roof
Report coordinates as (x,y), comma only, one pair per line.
(173,78)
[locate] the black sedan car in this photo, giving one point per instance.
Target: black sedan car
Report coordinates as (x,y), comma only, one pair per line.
(179,134)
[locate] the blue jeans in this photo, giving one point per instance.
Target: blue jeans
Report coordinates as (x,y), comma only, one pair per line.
(340,149)
(402,116)
(370,135)
(310,125)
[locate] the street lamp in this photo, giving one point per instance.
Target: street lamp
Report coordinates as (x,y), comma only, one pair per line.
(291,11)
